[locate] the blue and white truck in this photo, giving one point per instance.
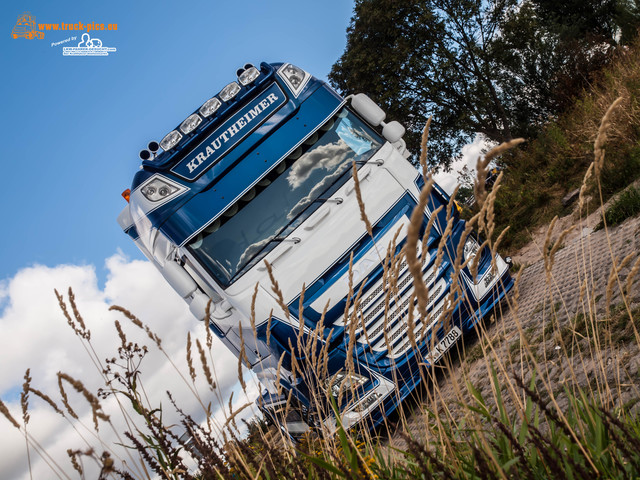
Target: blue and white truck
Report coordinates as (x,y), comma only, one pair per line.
(262,172)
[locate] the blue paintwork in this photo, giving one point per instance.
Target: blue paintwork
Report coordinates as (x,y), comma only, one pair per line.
(224,139)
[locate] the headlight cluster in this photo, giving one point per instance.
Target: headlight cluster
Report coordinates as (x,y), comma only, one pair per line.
(353,381)
(295,78)
(471,248)
(157,190)
(294,74)
(246,76)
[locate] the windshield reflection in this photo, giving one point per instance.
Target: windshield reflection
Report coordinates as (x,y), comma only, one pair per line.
(278,203)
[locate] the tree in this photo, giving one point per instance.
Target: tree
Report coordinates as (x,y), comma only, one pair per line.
(496,67)
(427,57)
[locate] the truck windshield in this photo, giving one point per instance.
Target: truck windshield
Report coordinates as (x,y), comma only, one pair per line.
(280,201)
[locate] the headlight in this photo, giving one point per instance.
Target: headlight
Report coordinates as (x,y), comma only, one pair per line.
(209,107)
(471,248)
(294,75)
(353,381)
(170,140)
(157,189)
(248,75)
(190,124)
(229,92)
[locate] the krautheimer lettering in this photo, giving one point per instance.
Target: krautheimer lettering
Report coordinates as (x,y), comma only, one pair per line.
(231,132)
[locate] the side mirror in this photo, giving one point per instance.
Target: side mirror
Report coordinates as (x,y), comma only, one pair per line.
(179,279)
(368,109)
(393,131)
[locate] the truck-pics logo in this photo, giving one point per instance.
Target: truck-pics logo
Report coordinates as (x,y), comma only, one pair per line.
(88,46)
(25,27)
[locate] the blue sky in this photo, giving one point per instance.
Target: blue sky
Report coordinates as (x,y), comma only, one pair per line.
(72,126)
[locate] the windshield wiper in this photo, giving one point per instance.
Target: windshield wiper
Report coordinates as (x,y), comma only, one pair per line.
(285,239)
(337,200)
(378,162)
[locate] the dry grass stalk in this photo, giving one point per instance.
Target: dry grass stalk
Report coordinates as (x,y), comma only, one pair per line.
(276,289)
(47,399)
(252,315)
(96,408)
(77,328)
(413,236)
(7,414)
(583,188)
(363,215)
(301,319)
(268,336)
(205,366)
(76,314)
(614,274)
(136,321)
(74,461)
(601,137)
(479,190)
(242,357)
(631,276)
(24,397)
(65,399)
(423,148)
(206,323)
(192,371)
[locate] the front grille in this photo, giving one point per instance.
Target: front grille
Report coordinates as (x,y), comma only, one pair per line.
(371,313)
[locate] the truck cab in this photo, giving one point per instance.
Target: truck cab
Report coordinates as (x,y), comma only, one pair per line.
(251,211)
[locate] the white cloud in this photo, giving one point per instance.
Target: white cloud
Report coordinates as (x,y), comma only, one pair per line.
(468,158)
(35,335)
(327,157)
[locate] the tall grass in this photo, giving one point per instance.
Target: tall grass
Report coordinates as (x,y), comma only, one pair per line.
(538,392)
(553,164)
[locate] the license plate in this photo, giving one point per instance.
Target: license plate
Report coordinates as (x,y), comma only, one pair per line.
(445,344)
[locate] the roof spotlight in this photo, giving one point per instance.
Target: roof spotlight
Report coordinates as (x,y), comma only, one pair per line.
(248,75)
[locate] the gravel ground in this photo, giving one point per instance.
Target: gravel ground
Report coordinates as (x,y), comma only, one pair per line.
(553,317)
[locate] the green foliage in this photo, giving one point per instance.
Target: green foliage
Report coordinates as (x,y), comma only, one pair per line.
(501,68)
(626,205)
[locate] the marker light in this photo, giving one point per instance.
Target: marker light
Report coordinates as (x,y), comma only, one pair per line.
(170,140)
(190,124)
(209,107)
(126,194)
(229,92)
(294,75)
(157,189)
(248,75)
